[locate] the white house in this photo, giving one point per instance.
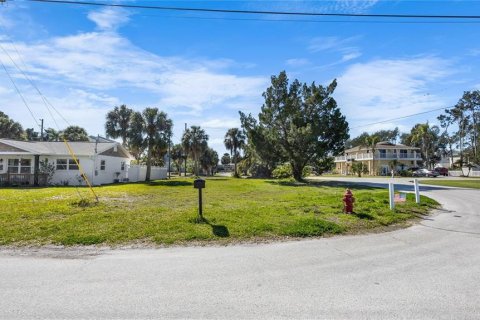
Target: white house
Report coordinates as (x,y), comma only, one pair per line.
(102,162)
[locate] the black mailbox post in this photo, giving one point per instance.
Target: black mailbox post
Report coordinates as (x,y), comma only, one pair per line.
(199,184)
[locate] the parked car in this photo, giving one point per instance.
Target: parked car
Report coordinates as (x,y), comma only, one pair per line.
(425,173)
(441,171)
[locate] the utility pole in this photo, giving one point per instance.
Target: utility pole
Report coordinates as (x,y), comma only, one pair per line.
(169,155)
(41,129)
(185,154)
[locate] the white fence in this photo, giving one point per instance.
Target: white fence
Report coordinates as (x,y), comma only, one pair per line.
(138,173)
(459,173)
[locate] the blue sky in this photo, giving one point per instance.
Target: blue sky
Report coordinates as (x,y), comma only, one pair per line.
(203,68)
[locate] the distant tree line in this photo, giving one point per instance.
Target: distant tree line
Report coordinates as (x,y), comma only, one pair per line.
(10,129)
(458,131)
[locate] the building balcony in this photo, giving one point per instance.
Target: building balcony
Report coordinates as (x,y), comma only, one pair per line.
(379,156)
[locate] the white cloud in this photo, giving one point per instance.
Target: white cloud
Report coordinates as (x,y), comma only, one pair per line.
(109,19)
(352,6)
(297,62)
(113,62)
(474,52)
(221,123)
(342,46)
(86,74)
(386,89)
(351,56)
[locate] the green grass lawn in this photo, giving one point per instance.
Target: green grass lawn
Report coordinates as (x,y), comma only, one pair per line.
(464,183)
(165,212)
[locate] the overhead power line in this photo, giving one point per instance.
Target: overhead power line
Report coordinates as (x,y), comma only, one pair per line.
(235,11)
(399,118)
(19,93)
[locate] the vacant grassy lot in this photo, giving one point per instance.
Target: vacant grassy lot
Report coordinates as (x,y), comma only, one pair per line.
(464,183)
(164,212)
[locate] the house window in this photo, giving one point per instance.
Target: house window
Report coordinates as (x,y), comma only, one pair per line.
(1,165)
(383,153)
(62,164)
(403,154)
(25,166)
(72,165)
(102,165)
(13,165)
(122,166)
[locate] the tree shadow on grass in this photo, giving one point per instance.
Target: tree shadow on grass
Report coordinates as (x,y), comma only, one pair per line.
(168,183)
(365,216)
(317,184)
(217,230)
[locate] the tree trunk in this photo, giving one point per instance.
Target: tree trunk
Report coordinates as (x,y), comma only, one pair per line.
(149,164)
(297,171)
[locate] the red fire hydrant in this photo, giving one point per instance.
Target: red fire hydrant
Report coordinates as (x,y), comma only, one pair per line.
(348,200)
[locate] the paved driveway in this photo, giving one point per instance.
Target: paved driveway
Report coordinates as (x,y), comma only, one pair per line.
(428,271)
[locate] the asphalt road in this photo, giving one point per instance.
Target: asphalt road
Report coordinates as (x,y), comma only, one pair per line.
(428,271)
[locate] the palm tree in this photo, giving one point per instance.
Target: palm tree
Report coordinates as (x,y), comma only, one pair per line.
(194,140)
(149,130)
(52,135)
(426,136)
(234,141)
(135,140)
(177,156)
(209,160)
(157,129)
(118,122)
(371,143)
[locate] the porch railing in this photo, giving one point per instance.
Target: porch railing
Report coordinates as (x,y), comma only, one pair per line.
(21,179)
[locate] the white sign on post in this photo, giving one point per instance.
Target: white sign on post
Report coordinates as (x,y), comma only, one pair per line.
(391,195)
(417,190)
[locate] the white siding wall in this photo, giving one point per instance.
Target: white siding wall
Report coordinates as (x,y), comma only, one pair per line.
(92,168)
(138,173)
(458,173)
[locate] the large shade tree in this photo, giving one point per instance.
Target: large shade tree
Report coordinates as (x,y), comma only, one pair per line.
(195,140)
(235,141)
(74,133)
(118,123)
(226,159)
(9,128)
(150,131)
(298,123)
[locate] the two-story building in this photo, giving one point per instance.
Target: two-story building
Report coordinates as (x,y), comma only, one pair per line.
(380,162)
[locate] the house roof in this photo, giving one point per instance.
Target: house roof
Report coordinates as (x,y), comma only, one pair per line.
(58,148)
(382,145)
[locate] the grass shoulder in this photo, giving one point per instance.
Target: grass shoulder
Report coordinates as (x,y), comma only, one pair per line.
(164,212)
(458,183)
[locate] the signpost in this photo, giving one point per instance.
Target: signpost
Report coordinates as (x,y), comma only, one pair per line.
(199,184)
(391,193)
(417,190)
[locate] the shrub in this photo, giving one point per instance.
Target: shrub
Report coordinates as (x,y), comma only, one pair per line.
(308,170)
(359,168)
(282,171)
(405,173)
